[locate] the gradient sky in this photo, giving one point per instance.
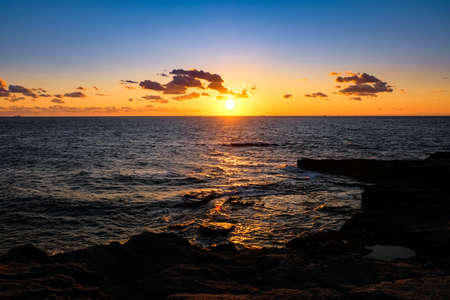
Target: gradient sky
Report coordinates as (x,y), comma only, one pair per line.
(274,57)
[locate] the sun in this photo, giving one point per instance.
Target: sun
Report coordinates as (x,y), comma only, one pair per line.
(229,104)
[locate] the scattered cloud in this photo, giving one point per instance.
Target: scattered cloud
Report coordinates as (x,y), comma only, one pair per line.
(362,84)
(75,95)
(187,97)
(14,98)
(45,95)
(162,74)
(21,90)
(58,96)
(127,81)
(151,85)
(62,110)
(56,100)
(155,99)
(316,95)
(80,88)
(287,96)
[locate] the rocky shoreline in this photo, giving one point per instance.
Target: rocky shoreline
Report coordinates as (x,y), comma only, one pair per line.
(407,207)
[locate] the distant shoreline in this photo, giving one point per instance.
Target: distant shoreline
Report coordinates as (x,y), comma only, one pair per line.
(241,116)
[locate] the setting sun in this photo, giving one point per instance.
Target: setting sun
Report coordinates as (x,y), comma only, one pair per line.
(229,104)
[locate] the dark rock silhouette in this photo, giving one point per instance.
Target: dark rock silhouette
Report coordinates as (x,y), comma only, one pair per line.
(406,206)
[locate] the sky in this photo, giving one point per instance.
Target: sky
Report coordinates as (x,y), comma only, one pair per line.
(144,58)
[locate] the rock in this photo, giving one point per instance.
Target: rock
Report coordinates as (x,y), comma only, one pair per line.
(25,253)
(211,228)
(195,199)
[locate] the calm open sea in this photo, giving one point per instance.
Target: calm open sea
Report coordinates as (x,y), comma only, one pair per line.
(67,183)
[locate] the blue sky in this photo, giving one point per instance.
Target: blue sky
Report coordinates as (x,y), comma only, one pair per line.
(110,39)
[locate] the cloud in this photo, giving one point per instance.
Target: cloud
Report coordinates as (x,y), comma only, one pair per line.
(334,74)
(162,74)
(62,110)
(75,95)
(220,97)
(58,96)
(205,94)
(151,85)
(287,96)
(56,100)
(3,85)
(242,94)
(186,97)
(22,90)
(130,99)
(218,86)
(100,94)
(80,88)
(198,74)
(356,98)
(362,84)
(316,95)
(127,81)
(14,98)
(45,95)
(95,88)
(155,99)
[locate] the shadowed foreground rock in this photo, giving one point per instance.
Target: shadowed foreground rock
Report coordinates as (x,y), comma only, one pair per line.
(409,208)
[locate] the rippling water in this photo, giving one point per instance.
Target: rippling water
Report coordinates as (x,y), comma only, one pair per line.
(67,183)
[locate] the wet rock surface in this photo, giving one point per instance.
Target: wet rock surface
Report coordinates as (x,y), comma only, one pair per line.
(408,209)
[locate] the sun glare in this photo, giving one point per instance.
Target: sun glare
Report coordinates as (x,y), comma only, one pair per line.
(229,104)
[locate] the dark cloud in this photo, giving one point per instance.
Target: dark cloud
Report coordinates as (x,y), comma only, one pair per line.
(218,86)
(128,82)
(80,88)
(151,85)
(174,89)
(287,96)
(186,81)
(58,96)
(358,78)
(22,90)
(198,74)
(155,99)
(162,74)
(186,97)
(56,100)
(75,95)
(316,95)
(356,98)
(45,95)
(362,84)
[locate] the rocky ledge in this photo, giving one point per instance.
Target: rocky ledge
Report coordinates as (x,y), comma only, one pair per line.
(406,208)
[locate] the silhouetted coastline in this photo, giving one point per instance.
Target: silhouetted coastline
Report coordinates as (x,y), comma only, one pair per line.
(406,206)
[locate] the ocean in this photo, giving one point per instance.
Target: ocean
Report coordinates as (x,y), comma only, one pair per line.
(68,183)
